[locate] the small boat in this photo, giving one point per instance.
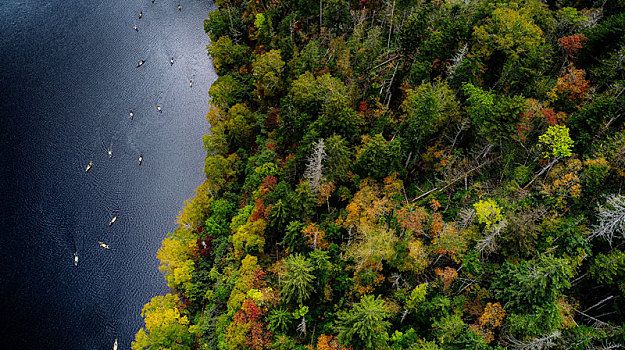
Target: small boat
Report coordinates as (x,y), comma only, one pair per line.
(190,82)
(103,245)
(110,153)
(89,166)
(140,14)
(152,1)
(75,258)
(140,159)
(113,220)
(135,27)
(171,61)
(158,107)
(140,63)
(179,7)
(115,345)
(131,114)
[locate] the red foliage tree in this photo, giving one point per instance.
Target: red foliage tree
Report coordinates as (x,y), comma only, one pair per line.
(257,337)
(204,245)
(571,45)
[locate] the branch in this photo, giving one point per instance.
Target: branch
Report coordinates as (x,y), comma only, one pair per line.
(546,168)
(598,322)
(385,62)
(599,303)
(458,178)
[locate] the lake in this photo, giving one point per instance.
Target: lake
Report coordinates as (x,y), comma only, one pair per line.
(69,78)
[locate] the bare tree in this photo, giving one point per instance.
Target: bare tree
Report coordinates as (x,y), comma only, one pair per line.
(488,244)
(314,169)
(606,346)
(539,343)
(396,278)
(611,219)
(457,60)
(301,327)
(403,315)
(593,17)
(465,217)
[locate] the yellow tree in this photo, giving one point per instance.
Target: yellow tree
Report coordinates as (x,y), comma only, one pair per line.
(196,209)
(248,279)
(250,237)
(173,255)
(166,327)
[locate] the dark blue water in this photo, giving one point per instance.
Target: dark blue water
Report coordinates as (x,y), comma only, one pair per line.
(68,78)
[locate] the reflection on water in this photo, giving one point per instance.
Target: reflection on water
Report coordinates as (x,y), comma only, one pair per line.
(69,85)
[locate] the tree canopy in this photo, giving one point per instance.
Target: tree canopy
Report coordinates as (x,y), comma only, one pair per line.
(405,175)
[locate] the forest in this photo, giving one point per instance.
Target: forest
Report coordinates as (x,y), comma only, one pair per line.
(405,174)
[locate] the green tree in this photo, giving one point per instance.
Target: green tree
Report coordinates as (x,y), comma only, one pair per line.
(224,22)
(219,170)
(216,142)
(297,283)
(216,25)
(417,296)
(283,342)
(325,94)
(365,325)
(334,95)
(493,116)
(322,265)
(240,123)
(195,209)
(378,157)
(306,93)
(309,59)
(226,54)
(373,244)
(530,284)
(428,108)
(301,201)
(225,92)
(481,104)
(182,275)
(250,237)
(511,31)
(245,279)
(293,239)
(268,72)
(609,269)
(279,320)
(339,160)
(262,24)
(448,328)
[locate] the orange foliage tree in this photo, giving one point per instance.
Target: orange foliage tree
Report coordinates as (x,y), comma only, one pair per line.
(327,342)
(573,85)
(315,236)
(491,319)
(413,219)
(448,276)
